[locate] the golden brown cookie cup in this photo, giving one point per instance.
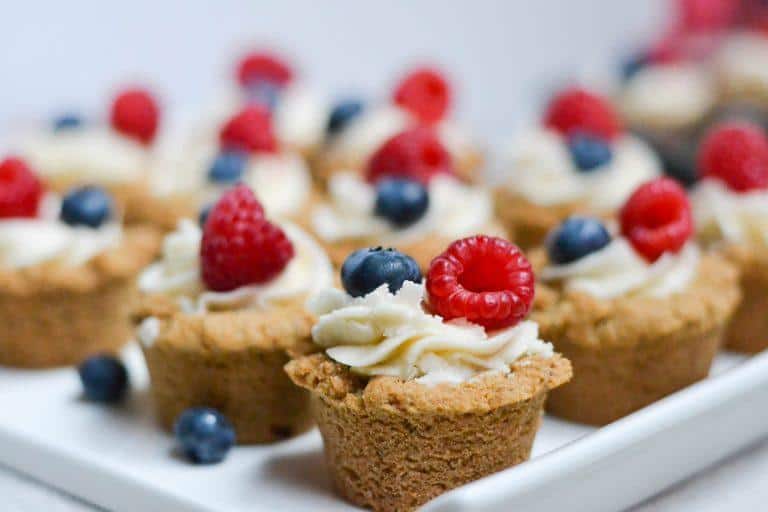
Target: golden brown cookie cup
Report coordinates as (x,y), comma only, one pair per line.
(748,329)
(631,351)
(54,315)
(527,223)
(392,445)
(231,361)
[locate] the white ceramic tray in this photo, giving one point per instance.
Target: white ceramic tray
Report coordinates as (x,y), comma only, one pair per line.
(117,458)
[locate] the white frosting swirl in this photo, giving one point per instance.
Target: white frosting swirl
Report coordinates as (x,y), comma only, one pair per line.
(540,168)
(386,334)
(743,61)
(281,181)
(95,155)
(374,126)
(668,96)
(300,118)
(737,217)
(31,241)
(617,270)
(178,274)
(455,210)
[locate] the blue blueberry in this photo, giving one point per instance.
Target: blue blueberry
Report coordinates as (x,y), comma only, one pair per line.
(342,113)
(632,64)
(367,269)
(228,167)
(67,121)
(87,206)
(401,202)
(203,215)
(204,435)
(264,93)
(576,238)
(589,152)
(104,379)
(679,162)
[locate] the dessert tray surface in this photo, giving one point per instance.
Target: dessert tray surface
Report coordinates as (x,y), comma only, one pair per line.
(118,459)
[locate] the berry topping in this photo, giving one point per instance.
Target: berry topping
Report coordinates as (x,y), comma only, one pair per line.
(263,67)
(67,121)
(86,206)
(266,94)
(104,379)
(706,15)
(367,269)
(135,114)
(576,238)
(425,93)
(589,152)
(657,218)
(228,167)
(20,190)
(204,435)
(415,154)
(401,202)
(736,153)
(202,217)
(633,64)
(578,110)
(249,130)
(485,279)
(342,113)
(240,247)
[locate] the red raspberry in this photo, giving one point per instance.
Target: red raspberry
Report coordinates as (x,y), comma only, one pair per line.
(578,110)
(657,218)
(484,279)
(425,93)
(263,66)
(135,114)
(240,247)
(20,190)
(706,15)
(736,153)
(249,130)
(415,154)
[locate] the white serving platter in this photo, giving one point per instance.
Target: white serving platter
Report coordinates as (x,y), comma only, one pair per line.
(116,458)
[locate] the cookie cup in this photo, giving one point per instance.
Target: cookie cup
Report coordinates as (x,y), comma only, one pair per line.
(748,329)
(55,315)
(527,223)
(392,445)
(631,351)
(229,360)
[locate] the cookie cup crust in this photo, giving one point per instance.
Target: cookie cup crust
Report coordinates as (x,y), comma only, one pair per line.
(231,361)
(56,315)
(748,329)
(631,351)
(392,445)
(528,223)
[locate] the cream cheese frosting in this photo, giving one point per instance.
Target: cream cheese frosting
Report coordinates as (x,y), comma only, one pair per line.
(391,334)
(300,118)
(88,154)
(541,170)
(455,210)
(743,60)
(735,217)
(669,96)
(374,126)
(281,181)
(618,270)
(25,242)
(178,274)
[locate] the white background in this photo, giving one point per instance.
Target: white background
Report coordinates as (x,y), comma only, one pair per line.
(504,54)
